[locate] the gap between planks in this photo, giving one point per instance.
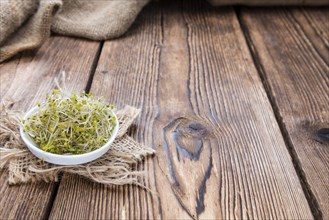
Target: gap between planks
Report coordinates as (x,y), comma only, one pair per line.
(87,90)
(18,83)
(312,202)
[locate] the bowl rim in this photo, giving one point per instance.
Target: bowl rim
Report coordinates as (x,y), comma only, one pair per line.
(33,145)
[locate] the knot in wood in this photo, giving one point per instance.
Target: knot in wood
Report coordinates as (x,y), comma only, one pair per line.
(323,135)
(188,135)
(188,151)
(196,129)
(318,131)
(191,128)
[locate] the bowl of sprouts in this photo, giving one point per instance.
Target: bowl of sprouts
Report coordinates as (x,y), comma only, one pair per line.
(69,129)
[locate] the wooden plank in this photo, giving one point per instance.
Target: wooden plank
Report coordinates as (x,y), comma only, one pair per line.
(27,79)
(291,46)
(220,153)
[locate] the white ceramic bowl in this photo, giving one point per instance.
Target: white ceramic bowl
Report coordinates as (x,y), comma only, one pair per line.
(66,159)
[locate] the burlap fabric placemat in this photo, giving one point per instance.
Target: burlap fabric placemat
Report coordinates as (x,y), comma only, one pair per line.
(26,24)
(117,166)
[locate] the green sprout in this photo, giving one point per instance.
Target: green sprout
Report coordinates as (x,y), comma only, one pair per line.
(76,124)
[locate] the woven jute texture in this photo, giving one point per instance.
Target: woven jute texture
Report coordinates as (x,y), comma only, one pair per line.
(26,24)
(117,166)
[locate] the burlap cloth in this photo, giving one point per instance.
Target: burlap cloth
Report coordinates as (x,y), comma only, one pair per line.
(26,24)
(117,166)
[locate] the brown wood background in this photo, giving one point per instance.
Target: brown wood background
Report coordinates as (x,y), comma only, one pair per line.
(295,69)
(234,100)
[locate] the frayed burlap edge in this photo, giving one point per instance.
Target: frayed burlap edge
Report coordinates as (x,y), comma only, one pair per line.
(114,167)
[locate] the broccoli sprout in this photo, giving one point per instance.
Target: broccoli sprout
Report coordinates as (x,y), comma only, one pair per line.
(74,124)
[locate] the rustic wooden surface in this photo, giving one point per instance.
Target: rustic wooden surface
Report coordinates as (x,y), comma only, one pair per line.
(220,153)
(228,98)
(26,80)
(291,47)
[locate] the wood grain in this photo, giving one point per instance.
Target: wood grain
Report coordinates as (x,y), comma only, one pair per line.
(291,46)
(220,153)
(27,79)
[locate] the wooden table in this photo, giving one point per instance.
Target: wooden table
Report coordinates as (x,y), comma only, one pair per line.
(234,101)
